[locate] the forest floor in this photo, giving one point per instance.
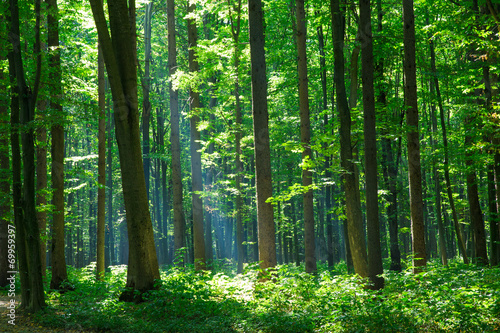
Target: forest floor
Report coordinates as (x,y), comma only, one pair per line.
(447,299)
(24,323)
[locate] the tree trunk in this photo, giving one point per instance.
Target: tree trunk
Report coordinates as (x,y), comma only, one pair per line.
(476,215)
(370,138)
(27,231)
(235,29)
(179,221)
(41,185)
(146,104)
(305,138)
(101,169)
(5,195)
(110,243)
(196,174)
(413,145)
(263,176)
(120,60)
(356,237)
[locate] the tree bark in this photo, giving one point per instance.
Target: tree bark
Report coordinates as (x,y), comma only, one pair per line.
(375,268)
(120,60)
(101,169)
(356,237)
(413,145)
(263,176)
(27,231)
(5,195)
(179,221)
(305,138)
(146,104)
(476,215)
(195,149)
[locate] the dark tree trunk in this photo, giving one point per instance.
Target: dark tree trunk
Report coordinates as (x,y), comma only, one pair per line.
(179,220)
(195,147)
(41,186)
(5,195)
(413,145)
(110,239)
(264,190)
(375,268)
(305,138)
(356,237)
(27,231)
(101,169)
(120,60)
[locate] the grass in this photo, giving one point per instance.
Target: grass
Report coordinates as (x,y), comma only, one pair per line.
(457,298)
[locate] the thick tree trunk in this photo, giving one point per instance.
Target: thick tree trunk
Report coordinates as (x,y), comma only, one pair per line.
(356,237)
(375,267)
(27,232)
(305,138)
(195,147)
(120,60)
(264,189)
(413,145)
(59,274)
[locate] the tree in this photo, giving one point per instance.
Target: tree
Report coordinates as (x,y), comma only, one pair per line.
(235,32)
(356,236)
(305,138)
(59,273)
(101,169)
(179,222)
(120,59)
(263,176)
(413,144)
(5,201)
(27,232)
(375,267)
(196,175)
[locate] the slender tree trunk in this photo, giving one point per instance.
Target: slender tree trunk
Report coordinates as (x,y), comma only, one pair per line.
(446,163)
(476,215)
(413,145)
(101,169)
(196,174)
(331,255)
(235,29)
(305,138)
(120,59)
(146,86)
(375,267)
(41,186)
(110,243)
(179,221)
(263,176)
(356,237)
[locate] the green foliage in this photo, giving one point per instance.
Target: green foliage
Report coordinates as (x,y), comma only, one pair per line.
(456,298)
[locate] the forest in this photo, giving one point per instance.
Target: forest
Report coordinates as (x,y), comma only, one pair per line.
(259,166)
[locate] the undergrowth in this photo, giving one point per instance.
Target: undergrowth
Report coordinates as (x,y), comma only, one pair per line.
(457,298)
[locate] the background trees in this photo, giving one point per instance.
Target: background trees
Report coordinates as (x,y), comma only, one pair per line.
(366,170)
